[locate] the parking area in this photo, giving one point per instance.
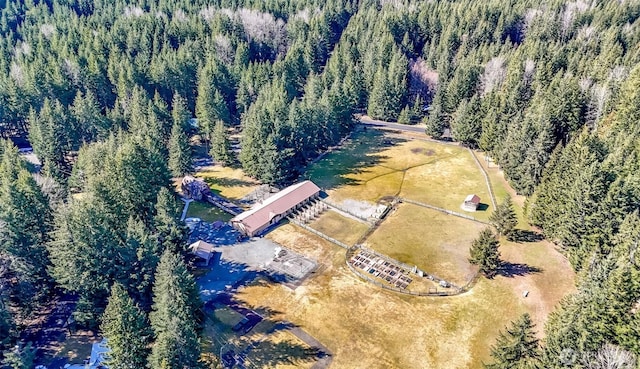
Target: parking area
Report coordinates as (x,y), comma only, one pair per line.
(216,233)
(235,265)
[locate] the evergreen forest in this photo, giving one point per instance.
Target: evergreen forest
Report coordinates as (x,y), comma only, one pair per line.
(106,92)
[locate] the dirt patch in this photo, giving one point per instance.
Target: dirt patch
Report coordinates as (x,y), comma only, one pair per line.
(422,150)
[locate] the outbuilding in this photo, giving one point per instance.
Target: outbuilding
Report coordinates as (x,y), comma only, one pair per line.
(471,203)
(203,250)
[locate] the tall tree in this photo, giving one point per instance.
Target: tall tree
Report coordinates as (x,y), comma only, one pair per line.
(179,151)
(504,217)
(517,347)
(220,146)
(126,329)
(484,253)
(175,315)
(26,219)
(171,232)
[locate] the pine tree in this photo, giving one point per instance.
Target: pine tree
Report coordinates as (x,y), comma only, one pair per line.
(180,112)
(126,329)
(405,116)
(26,217)
(466,126)
(220,146)
(179,151)
(504,218)
(171,232)
(517,347)
(175,315)
(484,252)
(6,325)
(20,357)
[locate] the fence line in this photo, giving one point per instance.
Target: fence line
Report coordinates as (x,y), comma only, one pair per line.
(320,234)
(465,216)
(221,203)
(407,267)
(486,178)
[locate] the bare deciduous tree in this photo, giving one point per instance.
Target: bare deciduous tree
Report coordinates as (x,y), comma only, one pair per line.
(423,80)
(609,357)
(494,74)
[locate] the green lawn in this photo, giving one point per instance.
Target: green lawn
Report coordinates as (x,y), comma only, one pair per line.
(207,212)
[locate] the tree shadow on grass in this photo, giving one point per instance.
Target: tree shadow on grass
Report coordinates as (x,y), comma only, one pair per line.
(357,156)
(521,235)
(226,182)
(258,343)
(267,354)
(510,270)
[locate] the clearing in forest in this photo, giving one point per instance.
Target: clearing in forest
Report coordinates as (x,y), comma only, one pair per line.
(365,326)
(373,165)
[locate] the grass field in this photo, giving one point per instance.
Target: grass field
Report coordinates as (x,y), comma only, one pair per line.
(270,348)
(228,182)
(207,212)
(365,326)
(436,242)
(371,166)
(340,227)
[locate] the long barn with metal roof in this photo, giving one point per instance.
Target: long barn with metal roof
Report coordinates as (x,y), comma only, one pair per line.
(254,221)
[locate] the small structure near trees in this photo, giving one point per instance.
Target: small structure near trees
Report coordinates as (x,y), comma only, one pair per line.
(194,188)
(471,203)
(203,250)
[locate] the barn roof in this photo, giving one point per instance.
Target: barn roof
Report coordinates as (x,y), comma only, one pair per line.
(277,204)
(472,198)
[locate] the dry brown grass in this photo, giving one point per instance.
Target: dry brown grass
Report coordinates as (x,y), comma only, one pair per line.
(340,227)
(436,242)
(367,327)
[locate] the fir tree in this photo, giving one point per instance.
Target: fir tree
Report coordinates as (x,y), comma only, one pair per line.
(126,329)
(504,218)
(175,315)
(484,253)
(179,151)
(171,232)
(220,146)
(517,347)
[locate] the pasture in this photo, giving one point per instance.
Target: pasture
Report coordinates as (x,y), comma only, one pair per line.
(365,326)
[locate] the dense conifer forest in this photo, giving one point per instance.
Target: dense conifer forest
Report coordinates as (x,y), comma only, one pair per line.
(105,93)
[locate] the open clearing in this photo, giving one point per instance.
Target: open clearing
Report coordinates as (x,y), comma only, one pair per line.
(340,227)
(207,212)
(435,242)
(373,165)
(365,326)
(227,182)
